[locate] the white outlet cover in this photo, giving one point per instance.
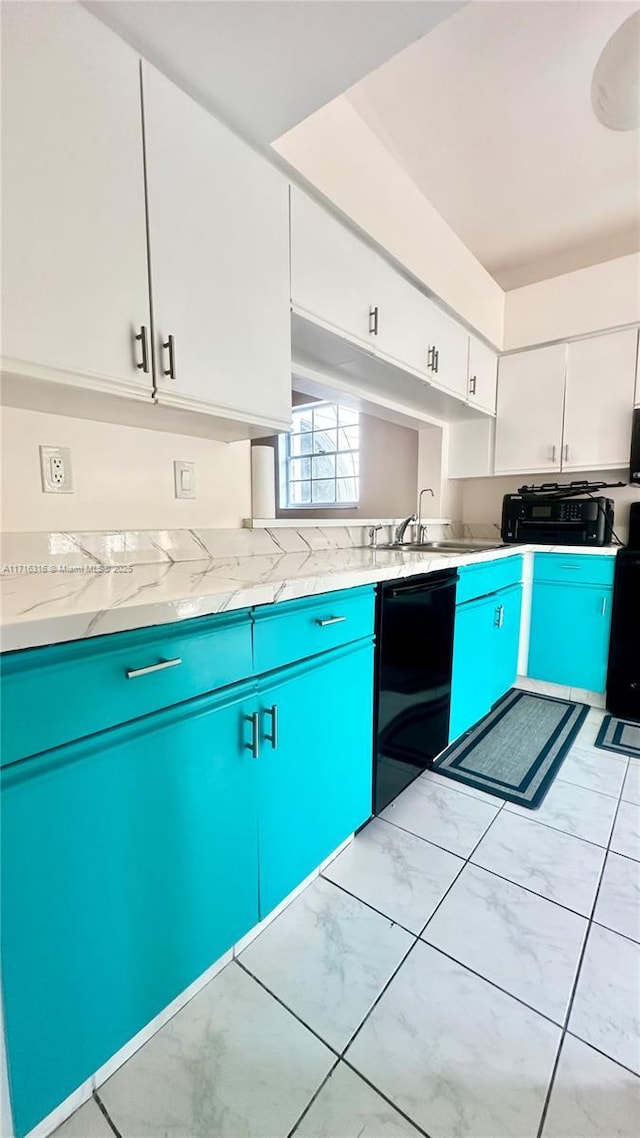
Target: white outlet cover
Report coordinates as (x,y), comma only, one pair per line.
(55,470)
(184,475)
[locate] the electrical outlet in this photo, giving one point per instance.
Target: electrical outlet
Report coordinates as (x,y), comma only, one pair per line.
(184,475)
(55,469)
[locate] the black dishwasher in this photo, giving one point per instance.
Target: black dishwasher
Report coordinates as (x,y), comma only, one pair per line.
(414,655)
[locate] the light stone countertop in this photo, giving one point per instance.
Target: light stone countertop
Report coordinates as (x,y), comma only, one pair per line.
(60,587)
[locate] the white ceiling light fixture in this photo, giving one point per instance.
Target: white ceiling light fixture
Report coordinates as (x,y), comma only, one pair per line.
(615,88)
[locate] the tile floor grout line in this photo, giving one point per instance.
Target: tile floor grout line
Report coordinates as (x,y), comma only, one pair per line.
(416,1125)
(375,1003)
(557,829)
(102,1108)
(581,786)
(280,1001)
(527,889)
(392,920)
(591,1047)
(625,936)
(313,1099)
(574,989)
(430,843)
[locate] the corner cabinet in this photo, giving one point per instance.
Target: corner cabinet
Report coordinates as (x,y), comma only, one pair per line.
(73,207)
(599,401)
(571,619)
(219,245)
(135,857)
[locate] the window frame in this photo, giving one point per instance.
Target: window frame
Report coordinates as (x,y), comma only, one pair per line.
(285,455)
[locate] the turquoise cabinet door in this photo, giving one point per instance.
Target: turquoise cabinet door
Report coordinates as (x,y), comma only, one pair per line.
(315,784)
(506,631)
(472,681)
(569,641)
(129,865)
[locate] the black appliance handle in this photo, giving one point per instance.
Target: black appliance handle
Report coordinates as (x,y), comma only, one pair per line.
(413,589)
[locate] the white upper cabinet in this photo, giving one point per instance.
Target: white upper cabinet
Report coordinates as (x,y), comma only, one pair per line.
(447,351)
(219,239)
(483,375)
(601,376)
(333,274)
(401,318)
(529,411)
(73,211)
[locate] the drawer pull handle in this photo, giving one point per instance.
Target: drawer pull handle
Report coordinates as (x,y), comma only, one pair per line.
(330,620)
(604,606)
(132,673)
(570,567)
(273,737)
(254,745)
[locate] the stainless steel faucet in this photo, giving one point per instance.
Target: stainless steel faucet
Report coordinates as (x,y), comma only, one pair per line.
(427,490)
(403,527)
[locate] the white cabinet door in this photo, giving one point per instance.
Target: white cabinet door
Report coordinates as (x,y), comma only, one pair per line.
(219,240)
(483,375)
(334,275)
(447,351)
(599,401)
(529,411)
(470,448)
(403,320)
(73,215)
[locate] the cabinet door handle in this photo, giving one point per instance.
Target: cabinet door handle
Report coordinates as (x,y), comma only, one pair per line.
(169,345)
(272,712)
(373,320)
(436,360)
(499,617)
(254,745)
(430,355)
(330,620)
(603,610)
(565,452)
(142,340)
(133,673)
(472,384)
(553,452)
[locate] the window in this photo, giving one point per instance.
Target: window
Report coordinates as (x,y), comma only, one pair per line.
(319,461)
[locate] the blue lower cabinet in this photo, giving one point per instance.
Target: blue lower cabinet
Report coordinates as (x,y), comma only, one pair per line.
(129,865)
(569,639)
(485,655)
(315,777)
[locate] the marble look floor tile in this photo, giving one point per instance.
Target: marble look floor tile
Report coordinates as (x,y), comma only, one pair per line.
(401,875)
(524,944)
(449,819)
(87,1122)
(606,1008)
(631,789)
(618,905)
(588,732)
(574,810)
(594,769)
(233,1063)
(460,1058)
(347,1107)
(327,957)
(431,776)
(591,1097)
(626,832)
(556,865)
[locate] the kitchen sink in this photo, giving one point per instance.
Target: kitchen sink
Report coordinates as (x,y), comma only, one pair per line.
(447,545)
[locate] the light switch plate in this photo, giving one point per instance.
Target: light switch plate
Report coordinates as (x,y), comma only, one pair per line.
(55,470)
(184,475)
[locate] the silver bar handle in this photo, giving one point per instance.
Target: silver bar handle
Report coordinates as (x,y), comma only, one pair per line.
(554,451)
(575,567)
(132,673)
(565,452)
(603,610)
(330,620)
(373,320)
(272,712)
(254,745)
(499,617)
(472,384)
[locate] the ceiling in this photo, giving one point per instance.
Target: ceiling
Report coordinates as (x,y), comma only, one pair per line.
(264,65)
(490,114)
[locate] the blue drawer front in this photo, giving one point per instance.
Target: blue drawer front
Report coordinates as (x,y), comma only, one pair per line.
(574,568)
(296,630)
(53,695)
(487,577)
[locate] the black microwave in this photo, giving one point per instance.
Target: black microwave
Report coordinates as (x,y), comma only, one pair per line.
(557,521)
(634,474)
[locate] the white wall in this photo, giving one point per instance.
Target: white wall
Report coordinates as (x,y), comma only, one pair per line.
(339,154)
(482,497)
(123,477)
(587,300)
